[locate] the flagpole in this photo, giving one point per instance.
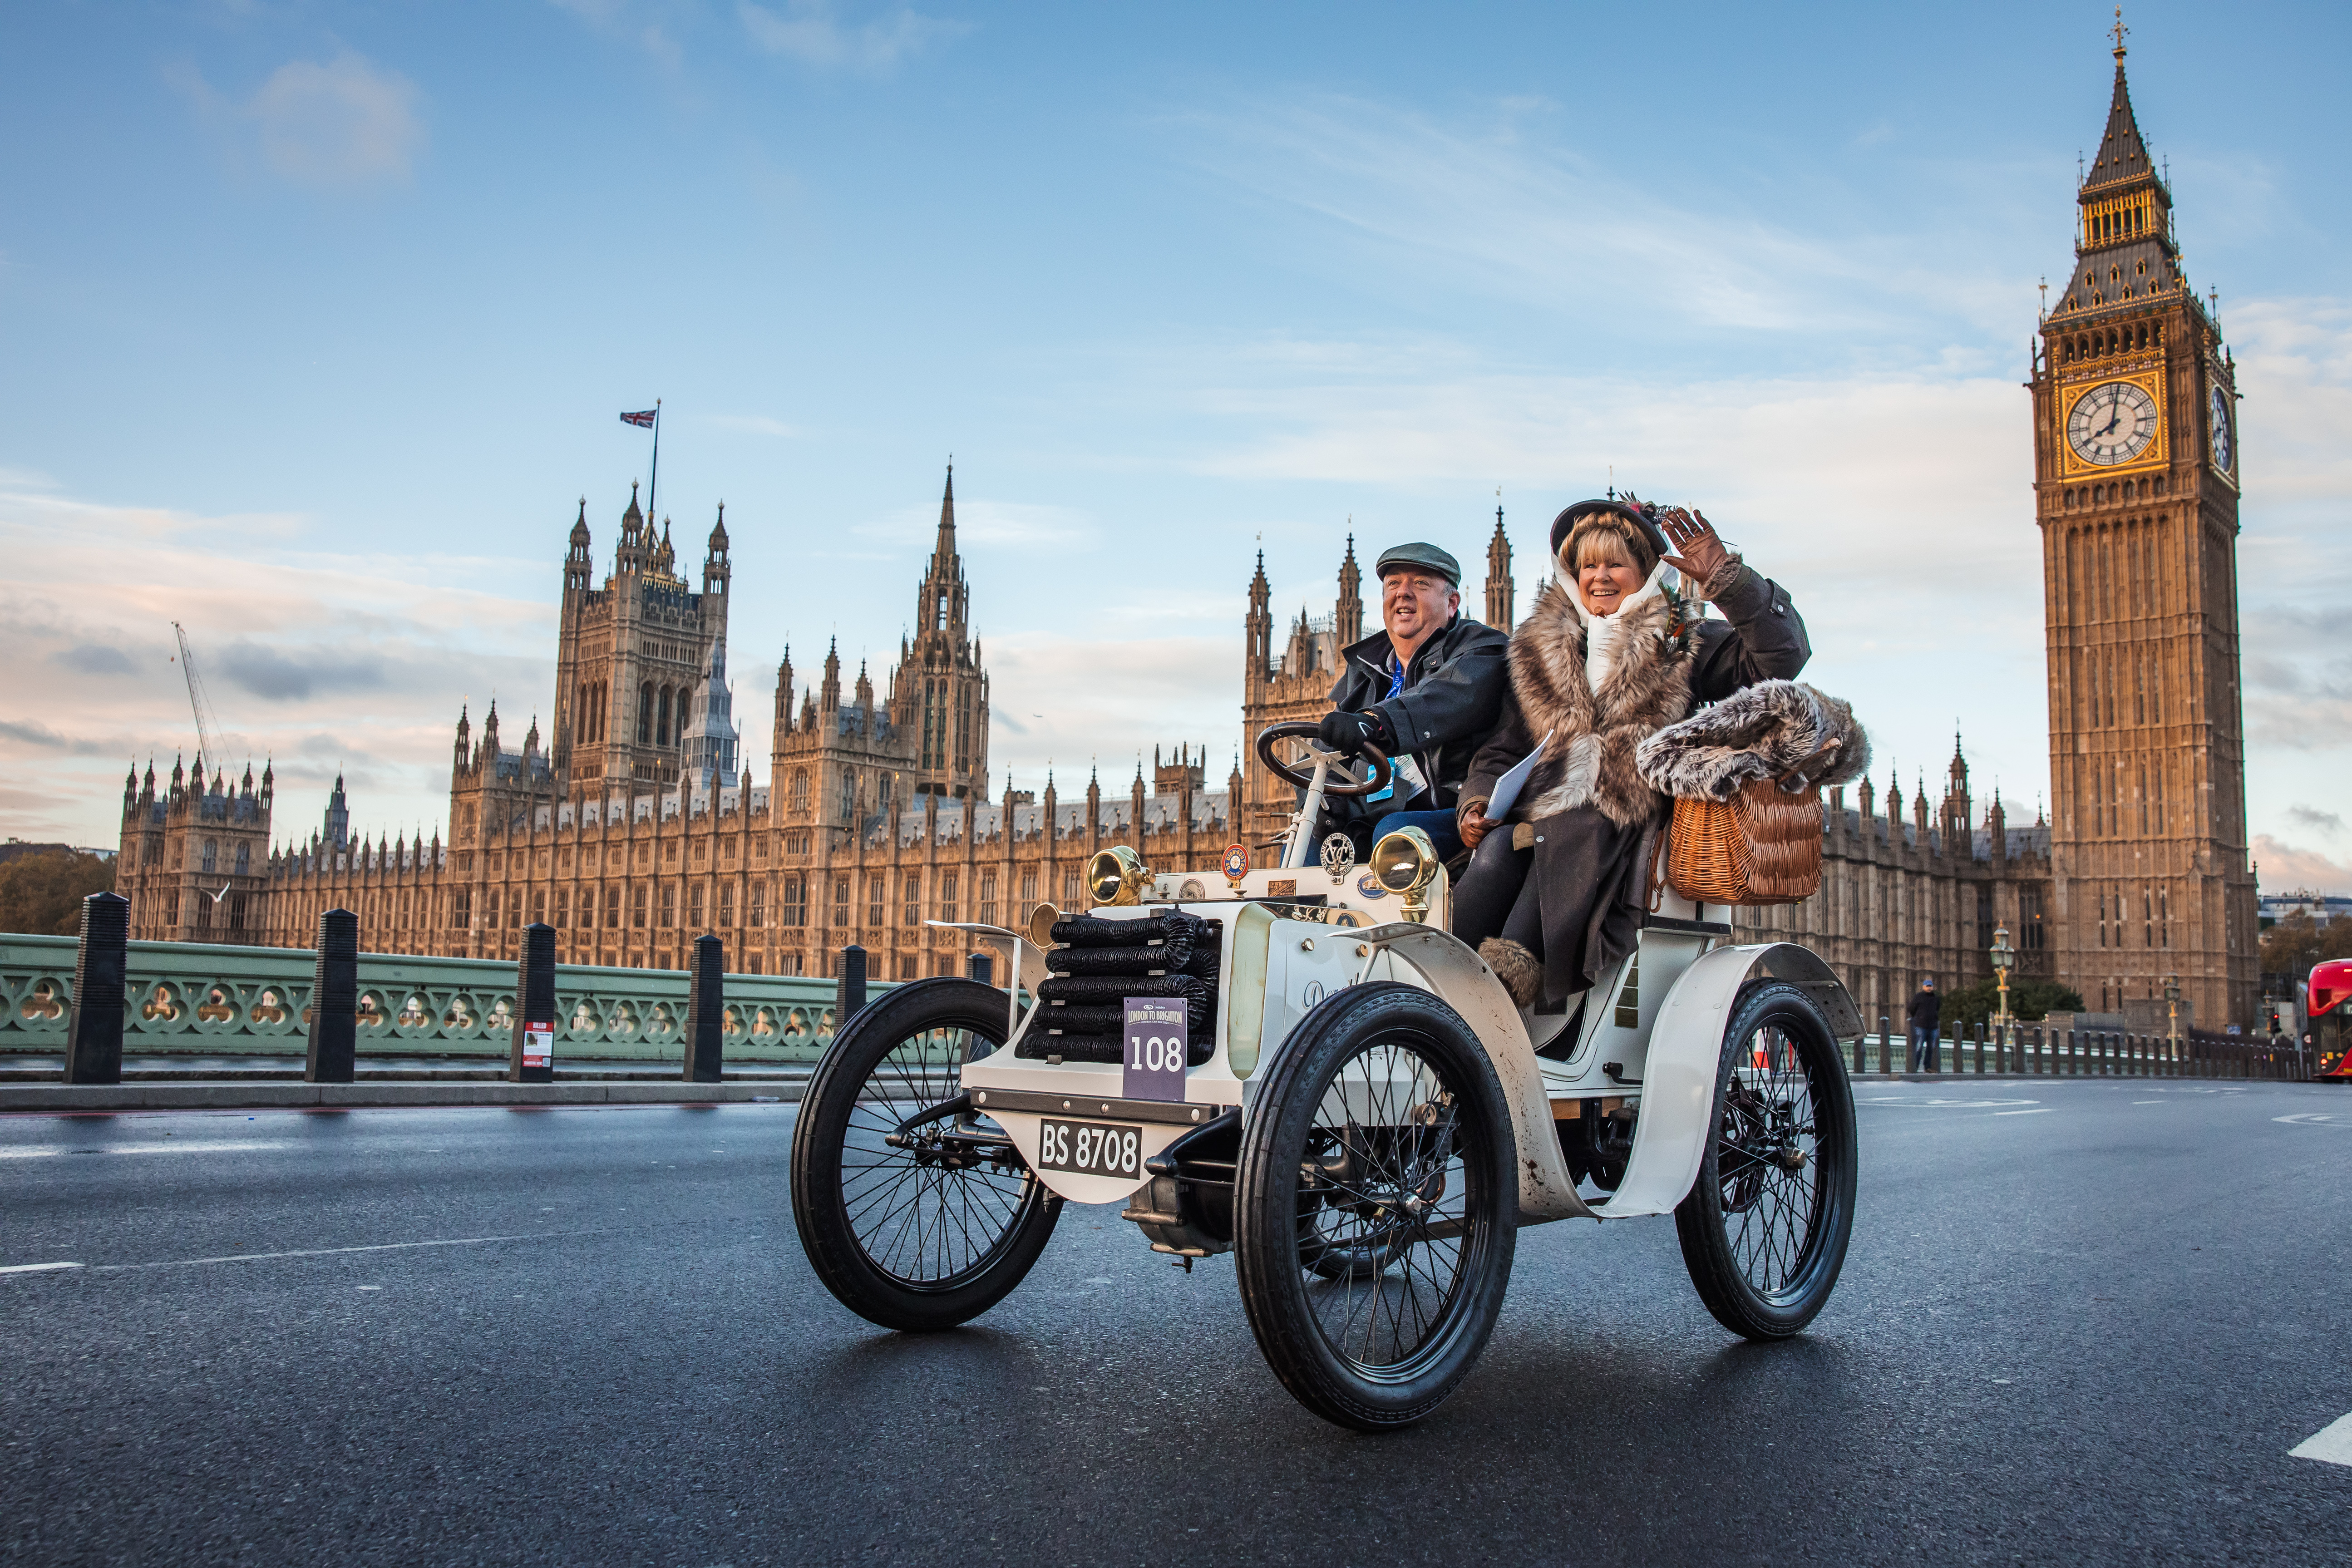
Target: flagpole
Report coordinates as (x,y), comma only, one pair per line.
(653,485)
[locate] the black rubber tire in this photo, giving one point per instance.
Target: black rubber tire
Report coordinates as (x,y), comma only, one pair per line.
(1459,1157)
(893,1059)
(1764,1241)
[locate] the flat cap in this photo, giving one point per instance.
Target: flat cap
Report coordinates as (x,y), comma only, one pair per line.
(1418,557)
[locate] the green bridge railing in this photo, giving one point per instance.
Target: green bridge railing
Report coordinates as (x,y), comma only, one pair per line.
(199,999)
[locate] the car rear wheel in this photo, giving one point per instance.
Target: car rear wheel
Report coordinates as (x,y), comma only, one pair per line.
(1764,1228)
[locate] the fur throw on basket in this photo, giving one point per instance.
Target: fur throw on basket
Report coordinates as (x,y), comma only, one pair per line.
(1779,730)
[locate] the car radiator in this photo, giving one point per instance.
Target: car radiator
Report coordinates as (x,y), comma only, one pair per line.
(1096,964)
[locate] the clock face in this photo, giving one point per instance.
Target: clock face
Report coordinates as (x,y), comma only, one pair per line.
(2218,405)
(2113,423)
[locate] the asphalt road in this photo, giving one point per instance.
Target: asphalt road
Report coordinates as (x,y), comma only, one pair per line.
(2081,1322)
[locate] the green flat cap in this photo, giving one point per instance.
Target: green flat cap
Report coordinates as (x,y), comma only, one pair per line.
(1418,557)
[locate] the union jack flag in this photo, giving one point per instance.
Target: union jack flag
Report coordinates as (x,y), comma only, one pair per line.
(643,421)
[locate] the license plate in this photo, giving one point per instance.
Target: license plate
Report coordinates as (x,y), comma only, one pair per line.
(1090,1148)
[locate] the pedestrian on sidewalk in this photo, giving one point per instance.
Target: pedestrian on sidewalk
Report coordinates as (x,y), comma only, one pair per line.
(1926,1039)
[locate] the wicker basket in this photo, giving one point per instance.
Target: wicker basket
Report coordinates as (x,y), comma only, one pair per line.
(1761,846)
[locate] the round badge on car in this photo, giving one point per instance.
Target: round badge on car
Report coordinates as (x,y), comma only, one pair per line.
(1339,856)
(1369,886)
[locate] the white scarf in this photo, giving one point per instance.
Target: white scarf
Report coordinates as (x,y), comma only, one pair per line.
(1603,634)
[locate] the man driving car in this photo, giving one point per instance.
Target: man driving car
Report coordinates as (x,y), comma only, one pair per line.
(1425,691)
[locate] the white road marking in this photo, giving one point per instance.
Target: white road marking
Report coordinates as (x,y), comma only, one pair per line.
(35,1267)
(2045,1110)
(2332,1445)
(2315,1118)
(1939,1104)
(334,1251)
(2148,1102)
(196,1147)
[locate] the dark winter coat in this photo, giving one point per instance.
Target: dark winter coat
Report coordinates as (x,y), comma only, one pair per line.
(1926,1009)
(1586,810)
(1453,698)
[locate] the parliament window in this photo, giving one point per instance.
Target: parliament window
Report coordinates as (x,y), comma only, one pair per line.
(841,903)
(759,904)
(988,898)
(694,908)
(637,908)
(562,904)
(914,898)
(612,908)
(726,906)
(795,910)
(668,905)
(878,893)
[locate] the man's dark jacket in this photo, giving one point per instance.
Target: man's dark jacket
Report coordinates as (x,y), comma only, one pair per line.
(1926,1008)
(1453,699)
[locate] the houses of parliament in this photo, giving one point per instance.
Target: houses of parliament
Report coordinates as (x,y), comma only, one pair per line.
(633,827)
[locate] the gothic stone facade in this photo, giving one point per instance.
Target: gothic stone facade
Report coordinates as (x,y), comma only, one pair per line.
(879,821)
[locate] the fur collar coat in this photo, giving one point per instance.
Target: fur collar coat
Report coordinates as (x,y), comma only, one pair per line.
(1666,662)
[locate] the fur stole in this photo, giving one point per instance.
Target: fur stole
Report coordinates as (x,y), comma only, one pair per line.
(1591,759)
(1776,730)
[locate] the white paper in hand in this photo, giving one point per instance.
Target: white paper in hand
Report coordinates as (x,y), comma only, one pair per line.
(1507,787)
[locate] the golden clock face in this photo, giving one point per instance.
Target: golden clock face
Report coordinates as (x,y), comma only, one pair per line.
(2112,424)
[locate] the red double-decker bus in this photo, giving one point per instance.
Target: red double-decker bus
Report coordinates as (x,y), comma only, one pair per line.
(2330,1010)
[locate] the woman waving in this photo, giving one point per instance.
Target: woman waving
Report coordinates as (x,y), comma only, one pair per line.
(1615,648)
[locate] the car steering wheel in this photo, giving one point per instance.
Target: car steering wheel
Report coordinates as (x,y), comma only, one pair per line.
(1381,771)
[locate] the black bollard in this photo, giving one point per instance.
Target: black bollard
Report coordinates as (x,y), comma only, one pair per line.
(1886,1048)
(979,966)
(334,1032)
(706,1010)
(530,1054)
(94,1028)
(849,990)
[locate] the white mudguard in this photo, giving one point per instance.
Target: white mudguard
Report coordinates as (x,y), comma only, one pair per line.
(1687,1050)
(1462,978)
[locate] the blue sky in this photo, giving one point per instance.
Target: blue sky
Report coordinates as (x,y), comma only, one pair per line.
(318,318)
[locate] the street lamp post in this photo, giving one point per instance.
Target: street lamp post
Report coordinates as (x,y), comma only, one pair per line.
(2172,1015)
(2003,957)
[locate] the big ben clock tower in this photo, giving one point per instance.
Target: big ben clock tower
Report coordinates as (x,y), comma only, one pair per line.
(2136,485)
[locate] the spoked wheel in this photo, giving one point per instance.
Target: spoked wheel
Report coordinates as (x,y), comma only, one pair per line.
(1376,1206)
(916,1212)
(1764,1228)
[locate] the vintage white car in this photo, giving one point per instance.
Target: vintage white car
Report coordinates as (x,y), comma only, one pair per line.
(1325,1083)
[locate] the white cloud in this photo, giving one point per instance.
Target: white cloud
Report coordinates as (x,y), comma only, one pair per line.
(342,123)
(1509,210)
(319,661)
(1081,702)
(809,31)
(2285,867)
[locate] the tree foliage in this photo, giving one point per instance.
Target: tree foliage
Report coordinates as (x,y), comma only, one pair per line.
(2030,1002)
(41,894)
(2296,941)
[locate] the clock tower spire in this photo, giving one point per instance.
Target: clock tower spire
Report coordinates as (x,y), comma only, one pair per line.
(2136,492)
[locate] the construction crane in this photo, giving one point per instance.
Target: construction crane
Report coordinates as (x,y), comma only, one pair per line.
(198,703)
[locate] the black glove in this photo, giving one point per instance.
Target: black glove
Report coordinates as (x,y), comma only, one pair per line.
(1349,732)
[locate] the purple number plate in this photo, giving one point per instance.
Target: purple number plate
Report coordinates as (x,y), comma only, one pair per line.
(1156,1036)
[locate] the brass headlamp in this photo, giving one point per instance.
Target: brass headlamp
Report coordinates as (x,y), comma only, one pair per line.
(1117,876)
(1405,862)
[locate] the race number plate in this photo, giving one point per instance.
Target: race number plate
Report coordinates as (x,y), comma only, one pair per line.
(1090,1148)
